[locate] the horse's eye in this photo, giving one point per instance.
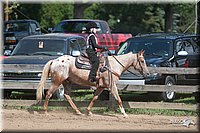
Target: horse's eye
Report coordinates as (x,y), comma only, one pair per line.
(142,61)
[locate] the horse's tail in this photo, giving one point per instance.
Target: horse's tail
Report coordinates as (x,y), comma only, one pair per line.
(45,75)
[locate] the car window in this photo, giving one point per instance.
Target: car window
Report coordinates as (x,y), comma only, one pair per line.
(33,26)
(82,44)
(185,45)
(70,26)
(73,45)
(153,47)
(16,27)
(40,47)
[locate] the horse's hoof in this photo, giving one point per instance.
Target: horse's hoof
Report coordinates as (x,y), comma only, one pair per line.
(89,114)
(79,113)
(125,116)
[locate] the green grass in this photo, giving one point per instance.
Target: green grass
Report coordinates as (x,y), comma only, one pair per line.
(106,110)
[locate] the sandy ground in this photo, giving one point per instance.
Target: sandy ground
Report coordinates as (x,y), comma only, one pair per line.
(59,120)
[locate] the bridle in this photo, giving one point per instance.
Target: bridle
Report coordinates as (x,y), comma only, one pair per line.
(138,61)
(134,66)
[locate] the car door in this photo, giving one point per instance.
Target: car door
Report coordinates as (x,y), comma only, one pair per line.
(184,45)
(73,47)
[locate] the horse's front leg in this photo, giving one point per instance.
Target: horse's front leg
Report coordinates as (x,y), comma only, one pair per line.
(115,93)
(95,97)
(67,87)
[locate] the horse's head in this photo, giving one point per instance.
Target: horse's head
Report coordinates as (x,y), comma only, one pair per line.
(140,64)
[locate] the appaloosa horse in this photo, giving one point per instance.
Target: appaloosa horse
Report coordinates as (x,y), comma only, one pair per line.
(64,71)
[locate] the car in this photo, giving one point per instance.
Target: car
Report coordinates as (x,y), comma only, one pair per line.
(15,30)
(38,50)
(165,50)
(104,35)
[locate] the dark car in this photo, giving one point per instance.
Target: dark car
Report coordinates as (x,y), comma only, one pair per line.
(165,50)
(38,50)
(15,30)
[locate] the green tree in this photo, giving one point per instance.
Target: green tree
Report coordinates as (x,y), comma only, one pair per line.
(187,17)
(51,14)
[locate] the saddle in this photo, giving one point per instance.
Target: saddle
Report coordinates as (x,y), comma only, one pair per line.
(82,62)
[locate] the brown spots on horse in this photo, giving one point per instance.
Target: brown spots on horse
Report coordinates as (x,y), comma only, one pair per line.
(63,61)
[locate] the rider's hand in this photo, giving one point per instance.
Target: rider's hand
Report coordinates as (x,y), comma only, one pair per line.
(105,48)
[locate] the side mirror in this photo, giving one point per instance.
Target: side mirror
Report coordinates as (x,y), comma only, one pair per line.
(37,29)
(76,53)
(50,30)
(182,53)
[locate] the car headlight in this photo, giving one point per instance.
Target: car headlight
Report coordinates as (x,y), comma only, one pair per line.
(153,65)
(11,39)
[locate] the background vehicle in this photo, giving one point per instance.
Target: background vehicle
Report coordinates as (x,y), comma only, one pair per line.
(15,30)
(165,50)
(104,35)
(39,49)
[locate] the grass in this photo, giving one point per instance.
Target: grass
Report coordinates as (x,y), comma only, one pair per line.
(106,110)
(86,95)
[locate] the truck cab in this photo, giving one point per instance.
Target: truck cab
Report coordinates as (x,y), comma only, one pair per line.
(104,35)
(15,30)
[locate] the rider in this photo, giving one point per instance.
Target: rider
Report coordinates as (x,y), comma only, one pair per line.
(91,29)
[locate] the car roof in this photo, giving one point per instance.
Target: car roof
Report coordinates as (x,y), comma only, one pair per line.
(87,20)
(164,36)
(20,20)
(61,36)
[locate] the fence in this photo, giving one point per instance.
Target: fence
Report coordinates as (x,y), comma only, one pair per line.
(17,84)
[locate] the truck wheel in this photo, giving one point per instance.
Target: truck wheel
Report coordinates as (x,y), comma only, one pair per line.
(7,94)
(197,98)
(169,95)
(59,94)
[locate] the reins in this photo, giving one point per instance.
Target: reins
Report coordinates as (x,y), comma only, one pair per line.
(126,67)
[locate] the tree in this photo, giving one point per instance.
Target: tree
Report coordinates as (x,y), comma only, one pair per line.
(79,9)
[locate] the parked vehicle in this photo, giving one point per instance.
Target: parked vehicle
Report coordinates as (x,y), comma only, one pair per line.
(104,35)
(165,50)
(15,30)
(38,50)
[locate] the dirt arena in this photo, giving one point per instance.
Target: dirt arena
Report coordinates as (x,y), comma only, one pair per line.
(59,120)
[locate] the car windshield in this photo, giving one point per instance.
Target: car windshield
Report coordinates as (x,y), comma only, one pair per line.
(71,27)
(152,47)
(39,47)
(16,27)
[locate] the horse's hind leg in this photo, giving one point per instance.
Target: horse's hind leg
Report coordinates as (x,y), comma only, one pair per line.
(67,87)
(48,96)
(115,93)
(95,97)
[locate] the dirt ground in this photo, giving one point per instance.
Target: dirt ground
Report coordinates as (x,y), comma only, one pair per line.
(60,120)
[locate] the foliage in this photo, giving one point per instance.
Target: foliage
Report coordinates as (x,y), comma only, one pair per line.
(51,14)
(187,17)
(124,18)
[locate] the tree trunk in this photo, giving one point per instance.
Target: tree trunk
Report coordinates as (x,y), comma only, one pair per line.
(79,9)
(168,18)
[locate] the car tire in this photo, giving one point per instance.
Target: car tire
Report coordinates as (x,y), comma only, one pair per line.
(197,98)
(169,95)
(59,94)
(7,94)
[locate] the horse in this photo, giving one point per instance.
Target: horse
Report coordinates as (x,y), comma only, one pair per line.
(64,72)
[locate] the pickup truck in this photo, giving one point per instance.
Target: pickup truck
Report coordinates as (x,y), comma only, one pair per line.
(104,35)
(26,62)
(15,30)
(165,50)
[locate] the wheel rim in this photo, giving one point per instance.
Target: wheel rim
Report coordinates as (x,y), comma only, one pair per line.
(61,93)
(169,94)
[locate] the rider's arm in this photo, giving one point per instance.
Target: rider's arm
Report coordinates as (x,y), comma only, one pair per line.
(94,43)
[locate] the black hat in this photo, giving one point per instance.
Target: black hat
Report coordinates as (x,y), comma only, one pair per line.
(91,25)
